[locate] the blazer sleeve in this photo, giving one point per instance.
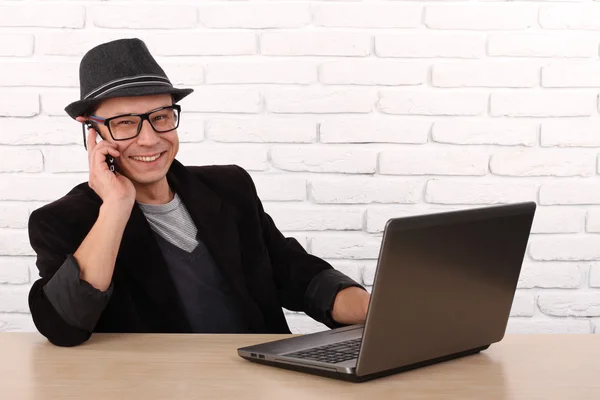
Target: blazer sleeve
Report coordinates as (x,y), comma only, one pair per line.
(305,282)
(64,308)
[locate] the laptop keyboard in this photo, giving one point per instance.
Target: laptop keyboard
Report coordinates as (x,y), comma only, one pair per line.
(332,353)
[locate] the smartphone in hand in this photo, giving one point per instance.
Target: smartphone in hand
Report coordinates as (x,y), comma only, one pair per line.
(111,162)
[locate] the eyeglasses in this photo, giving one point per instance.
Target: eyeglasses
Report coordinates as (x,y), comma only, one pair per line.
(128,126)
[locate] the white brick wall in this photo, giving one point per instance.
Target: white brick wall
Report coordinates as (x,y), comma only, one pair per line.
(346,114)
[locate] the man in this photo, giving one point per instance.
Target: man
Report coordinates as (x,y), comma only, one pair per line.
(159,247)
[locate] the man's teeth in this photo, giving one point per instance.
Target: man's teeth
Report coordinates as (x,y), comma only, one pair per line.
(147,159)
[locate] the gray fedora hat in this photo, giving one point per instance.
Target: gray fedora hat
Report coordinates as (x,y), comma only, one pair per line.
(120,68)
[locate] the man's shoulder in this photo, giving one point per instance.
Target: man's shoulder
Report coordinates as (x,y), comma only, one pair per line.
(78,203)
(224,179)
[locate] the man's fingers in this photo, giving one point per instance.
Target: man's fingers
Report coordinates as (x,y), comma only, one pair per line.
(91,140)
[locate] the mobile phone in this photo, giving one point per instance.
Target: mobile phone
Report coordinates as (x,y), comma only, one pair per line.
(111,162)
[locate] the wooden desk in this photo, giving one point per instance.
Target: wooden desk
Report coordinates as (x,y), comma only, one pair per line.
(205,366)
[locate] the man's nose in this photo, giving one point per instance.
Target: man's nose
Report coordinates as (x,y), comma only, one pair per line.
(148,135)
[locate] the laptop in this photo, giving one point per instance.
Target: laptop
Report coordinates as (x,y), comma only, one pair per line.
(443,289)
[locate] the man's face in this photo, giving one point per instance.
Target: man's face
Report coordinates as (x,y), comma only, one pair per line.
(147,144)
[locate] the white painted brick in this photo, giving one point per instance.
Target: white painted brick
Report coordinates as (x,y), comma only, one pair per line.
(224,99)
(523,305)
(302,324)
(373,72)
(16,45)
(158,16)
(570,133)
(38,186)
(55,100)
(262,129)
(14,215)
(16,323)
(359,190)
(315,43)
(202,43)
(377,217)
(346,247)
(324,159)
(15,270)
(571,75)
(280,187)
(65,159)
(543,104)
(565,248)
(183,73)
(352,269)
(570,304)
(41,130)
(558,275)
(371,15)
(593,221)
(558,220)
(547,44)
(460,192)
(71,43)
(548,326)
(254,15)
(249,157)
(369,270)
(303,218)
(14,298)
(18,103)
(485,74)
(595,276)
(373,129)
(38,14)
(19,159)
(570,16)
(433,162)
(278,71)
(497,132)
(191,128)
(570,193)
(481,16)
(429,45)
(36,73)
(432,103)
(543,163)
(14,242)
(318,100)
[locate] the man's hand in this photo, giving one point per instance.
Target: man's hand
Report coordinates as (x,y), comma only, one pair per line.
(350,306)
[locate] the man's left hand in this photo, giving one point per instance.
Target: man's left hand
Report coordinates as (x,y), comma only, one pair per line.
(350,306)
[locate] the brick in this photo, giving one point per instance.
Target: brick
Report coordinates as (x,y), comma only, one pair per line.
(571,133)
(311,218)
(571,16)
(485,74)
(55,100)
(324,159)
(570,304)
(377,217)
(202,43)
(53,15)
(158,16)
(547,326)
(571,75)
(558,220)
(320,101)
(65,159)
(359,190)
(14,299)
(280,187)
(593,221)
(180,73)
(315,43)
(250,157)
(356,247)
(35,73)
(262,130)
(464,192)
(18,103)
(570,193)
(369,270)
(360,129)
(16,323)
(299,72)
(375,15)
(543,104)
(547,44)
(551,275)
(39,187)
(191,128)
(14,242)
(302,324)
(481,16)
(16,45)
(543,163)
(226,100)
(18,159)
(373,72)
(595,276)
(523,305)
(254,15)
(13,215)
(71,43)
(41,130)
(495,132)
(565,248)
(433,162)
(15,270)
(407,102)
(431,45)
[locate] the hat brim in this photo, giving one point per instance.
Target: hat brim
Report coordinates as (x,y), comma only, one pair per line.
(80,107)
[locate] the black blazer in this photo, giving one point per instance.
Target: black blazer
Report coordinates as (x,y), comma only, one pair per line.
(266,270)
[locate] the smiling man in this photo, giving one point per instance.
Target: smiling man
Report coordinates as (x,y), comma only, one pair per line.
(156,246)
